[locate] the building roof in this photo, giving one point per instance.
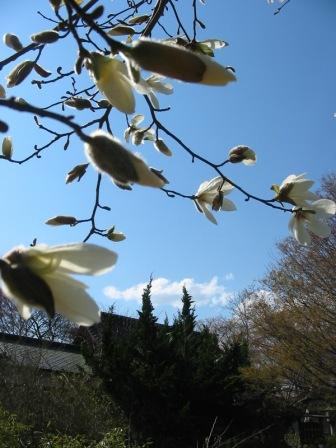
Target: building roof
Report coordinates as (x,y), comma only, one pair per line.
(44,355)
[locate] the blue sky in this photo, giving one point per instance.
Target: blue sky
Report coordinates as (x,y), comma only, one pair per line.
(282,106)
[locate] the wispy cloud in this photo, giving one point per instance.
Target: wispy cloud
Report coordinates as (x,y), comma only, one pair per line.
(167,292)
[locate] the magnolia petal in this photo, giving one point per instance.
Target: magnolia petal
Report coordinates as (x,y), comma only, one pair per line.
(203,207)
(301,186)
(292,178)
(154,101)
(228,206)
(214,44)
(118,91)
(137,119)
(326,207)
(71,299)
(82,258)
(300,233)
(215,74)
(320,228)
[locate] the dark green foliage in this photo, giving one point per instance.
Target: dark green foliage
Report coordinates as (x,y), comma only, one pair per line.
(170,381)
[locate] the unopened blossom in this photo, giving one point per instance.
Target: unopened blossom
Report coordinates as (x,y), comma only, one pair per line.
(61,220)
(295,190)
(2,92)
(210,196)
(109,156)
(176,62)
(242,154)
(115,236)
(76,173)
(312,219)
(111,77)
(7,147)
(12,41)
(160,145)
(40,277)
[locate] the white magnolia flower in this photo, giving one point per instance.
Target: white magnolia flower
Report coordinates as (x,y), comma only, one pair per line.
(295,190)
(152,85)
(40,277)
(210,195)
(312,219)
(111,78)
(138,135)
(109,156)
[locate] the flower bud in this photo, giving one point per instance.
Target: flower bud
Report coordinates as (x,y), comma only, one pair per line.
(20,100)
(3,126)
(110,157)
(121,30)
(55,4)
(104,104)
(19,73)
(78,103)
(7,147)
(97,12)
(115,236)
(162,147)
(61,221)
(76,173)
(45,37)
(243,154)
(2,92)
(12,41)
(41,71)
(138,20)
(179,63)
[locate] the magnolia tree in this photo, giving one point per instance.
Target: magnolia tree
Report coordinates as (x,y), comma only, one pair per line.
(118,50)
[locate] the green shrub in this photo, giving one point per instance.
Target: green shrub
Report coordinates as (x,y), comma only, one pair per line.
(11,431)
(117,438)
(331,442)
(63,441)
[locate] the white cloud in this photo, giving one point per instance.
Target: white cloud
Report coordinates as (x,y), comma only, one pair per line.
(166,292)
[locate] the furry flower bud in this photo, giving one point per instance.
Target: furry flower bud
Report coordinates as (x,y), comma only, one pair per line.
(7,147)
(61,221)
(110,157)
(12,41)
(76,173)
(179,63)
(19,73)
(45,37)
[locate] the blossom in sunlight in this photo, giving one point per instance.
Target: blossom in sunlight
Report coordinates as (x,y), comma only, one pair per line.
(138,135)
(40,277)
(312,219)
(152,85)
(210,195)
(242,154)
(110,76)
(295,190)
(109,156)
(177,62)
